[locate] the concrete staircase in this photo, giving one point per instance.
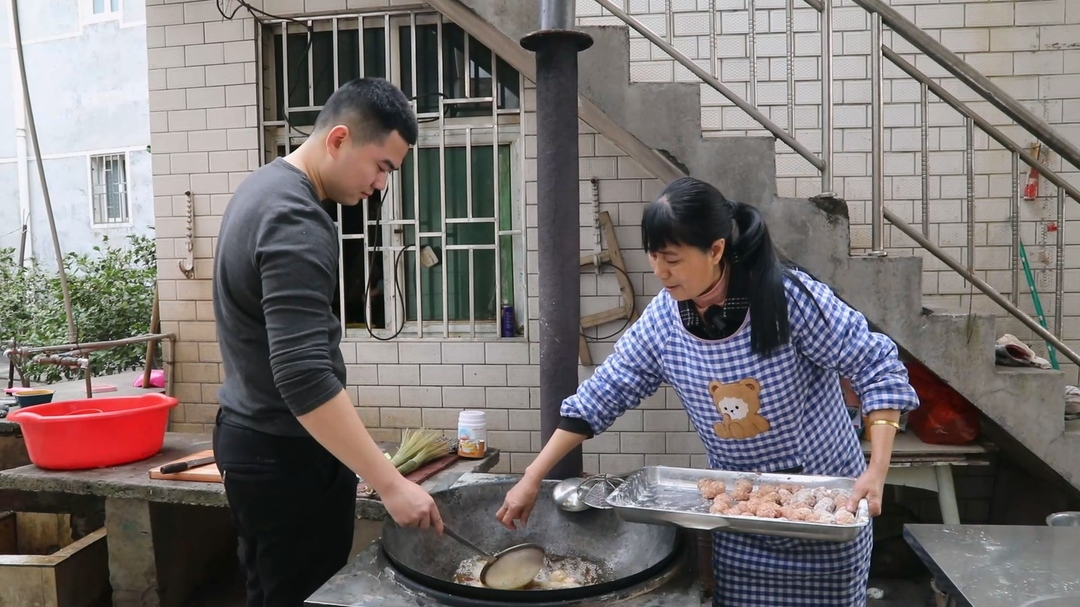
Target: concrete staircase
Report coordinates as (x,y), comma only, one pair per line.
(665,117)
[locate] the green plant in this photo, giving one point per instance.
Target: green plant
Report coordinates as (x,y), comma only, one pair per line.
(112,295)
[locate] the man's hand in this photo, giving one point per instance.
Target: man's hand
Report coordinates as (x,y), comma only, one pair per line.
(410,506)
(337,427)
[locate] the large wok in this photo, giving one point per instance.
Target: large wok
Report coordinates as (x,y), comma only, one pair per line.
(630,553)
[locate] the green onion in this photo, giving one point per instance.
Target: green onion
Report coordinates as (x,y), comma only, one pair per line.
(418,448)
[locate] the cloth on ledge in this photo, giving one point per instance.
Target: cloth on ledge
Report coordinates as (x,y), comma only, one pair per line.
(1011,352)
(1072,403)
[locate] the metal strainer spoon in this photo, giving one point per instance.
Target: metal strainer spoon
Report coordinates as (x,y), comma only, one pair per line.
(508,569)
(577,494)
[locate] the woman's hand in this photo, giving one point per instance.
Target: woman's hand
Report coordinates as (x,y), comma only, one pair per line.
(519,503)
(871,485)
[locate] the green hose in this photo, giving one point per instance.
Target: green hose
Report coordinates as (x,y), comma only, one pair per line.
(1037,302)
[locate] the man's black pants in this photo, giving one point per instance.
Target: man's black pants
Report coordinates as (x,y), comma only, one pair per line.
(294,505)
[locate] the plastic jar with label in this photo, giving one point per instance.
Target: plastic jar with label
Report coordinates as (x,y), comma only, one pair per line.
(472,434)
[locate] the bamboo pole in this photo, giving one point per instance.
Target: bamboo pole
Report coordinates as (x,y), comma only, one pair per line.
(90,346)
(72,335)
(155,326)
(12,368)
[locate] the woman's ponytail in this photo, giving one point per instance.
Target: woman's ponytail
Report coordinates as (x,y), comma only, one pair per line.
(755,264)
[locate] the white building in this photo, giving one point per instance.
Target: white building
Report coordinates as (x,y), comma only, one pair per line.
(87,76)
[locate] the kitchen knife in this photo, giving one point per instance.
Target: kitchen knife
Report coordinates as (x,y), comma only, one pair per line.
(186,465)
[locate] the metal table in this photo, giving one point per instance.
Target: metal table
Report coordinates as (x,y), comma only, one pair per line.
(1001,565)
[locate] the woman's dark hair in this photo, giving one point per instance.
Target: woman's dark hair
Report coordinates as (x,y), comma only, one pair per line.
(693,213)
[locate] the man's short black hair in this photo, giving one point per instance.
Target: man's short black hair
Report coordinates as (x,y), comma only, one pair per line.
(372,108)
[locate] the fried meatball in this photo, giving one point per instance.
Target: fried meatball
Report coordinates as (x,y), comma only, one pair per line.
(805,496)
(844,517)
(801,514)
(768,510)
(723,499)
(740,493)
(710,488)
(825,505)
(772,497)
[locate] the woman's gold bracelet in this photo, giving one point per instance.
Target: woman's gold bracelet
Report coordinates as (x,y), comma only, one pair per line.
(886,422)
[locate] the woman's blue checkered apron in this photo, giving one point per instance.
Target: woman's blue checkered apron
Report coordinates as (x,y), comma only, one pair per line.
(807,427)
(758,414)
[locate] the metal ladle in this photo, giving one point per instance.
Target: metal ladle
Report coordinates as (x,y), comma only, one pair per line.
(509,569)
(567,495)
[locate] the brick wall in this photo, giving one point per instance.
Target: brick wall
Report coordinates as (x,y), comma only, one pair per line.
(1029,48)
(205,140)
(203,123)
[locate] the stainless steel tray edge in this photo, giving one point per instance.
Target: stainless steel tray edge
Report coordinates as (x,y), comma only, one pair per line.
(686,508)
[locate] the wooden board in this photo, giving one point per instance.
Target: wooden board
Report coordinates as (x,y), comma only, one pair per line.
(611,256)
(203,474)
(417,476)
(209,472)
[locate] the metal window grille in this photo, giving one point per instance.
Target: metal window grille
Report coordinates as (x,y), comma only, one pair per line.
(442,250)
(109,189)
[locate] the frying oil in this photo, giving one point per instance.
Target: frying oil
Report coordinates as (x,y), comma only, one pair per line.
(557,573)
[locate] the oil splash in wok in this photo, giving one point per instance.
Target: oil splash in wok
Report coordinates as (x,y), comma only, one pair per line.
(559,572)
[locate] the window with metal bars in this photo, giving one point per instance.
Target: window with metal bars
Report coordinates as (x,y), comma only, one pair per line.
(109,190)
(441,251)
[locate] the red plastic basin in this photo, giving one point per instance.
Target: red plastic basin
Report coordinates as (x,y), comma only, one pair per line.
(94,432)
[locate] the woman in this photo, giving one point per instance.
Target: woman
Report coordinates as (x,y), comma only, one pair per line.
(755,351)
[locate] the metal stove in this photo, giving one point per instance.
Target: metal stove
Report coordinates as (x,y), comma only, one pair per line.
(370,580)
(373,579)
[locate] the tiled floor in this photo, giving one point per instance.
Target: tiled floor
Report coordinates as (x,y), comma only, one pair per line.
(903,593)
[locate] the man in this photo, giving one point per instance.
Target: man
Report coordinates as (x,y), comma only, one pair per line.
(288,441)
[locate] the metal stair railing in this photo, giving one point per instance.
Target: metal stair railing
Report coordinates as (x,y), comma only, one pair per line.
(711,80)
(881,15)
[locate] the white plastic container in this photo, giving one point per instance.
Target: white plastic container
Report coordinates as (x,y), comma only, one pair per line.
(472,434)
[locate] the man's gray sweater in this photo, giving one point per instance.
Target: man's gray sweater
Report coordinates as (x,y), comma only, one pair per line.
(275,274)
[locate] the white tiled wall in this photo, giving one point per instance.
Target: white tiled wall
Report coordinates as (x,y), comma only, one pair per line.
(1029,48)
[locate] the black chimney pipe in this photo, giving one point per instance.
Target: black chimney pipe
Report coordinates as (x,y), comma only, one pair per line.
(556,46)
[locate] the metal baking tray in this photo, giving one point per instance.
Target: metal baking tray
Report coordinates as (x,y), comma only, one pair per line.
(667,495)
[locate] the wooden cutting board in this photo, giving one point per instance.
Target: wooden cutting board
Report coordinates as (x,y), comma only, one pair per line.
(207,473)
(417,476)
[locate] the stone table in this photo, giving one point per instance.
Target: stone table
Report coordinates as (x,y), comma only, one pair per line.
(165,537)
(1001,565)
